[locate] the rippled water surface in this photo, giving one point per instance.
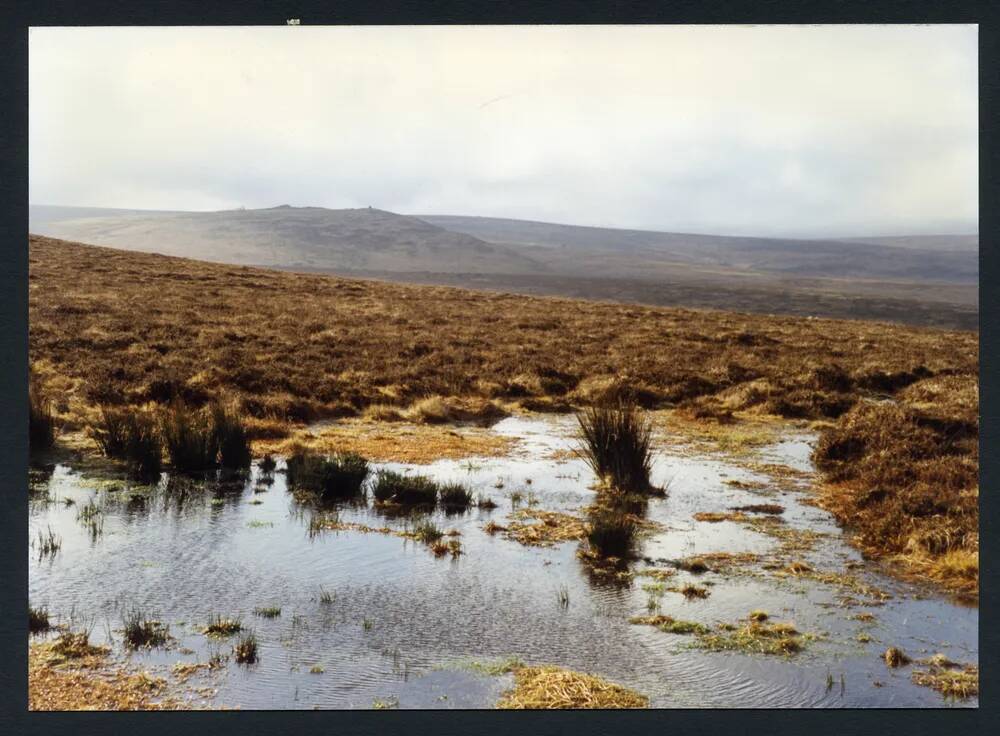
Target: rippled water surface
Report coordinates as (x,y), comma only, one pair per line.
(404,627)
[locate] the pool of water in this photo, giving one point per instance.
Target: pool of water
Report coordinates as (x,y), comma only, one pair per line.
(404,628)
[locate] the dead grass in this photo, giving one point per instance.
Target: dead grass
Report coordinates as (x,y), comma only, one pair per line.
(538,528)
(670,625)
(293,348)
(399,442)
(755,636)
(91,684)
(953,683)
(553,687)
(714,517)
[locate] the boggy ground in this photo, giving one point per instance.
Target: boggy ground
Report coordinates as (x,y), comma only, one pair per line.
(898,406)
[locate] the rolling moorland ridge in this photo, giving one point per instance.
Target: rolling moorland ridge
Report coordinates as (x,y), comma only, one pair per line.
(922,280)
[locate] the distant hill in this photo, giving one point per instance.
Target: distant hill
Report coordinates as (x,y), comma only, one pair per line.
(929,280)
(634,253)
(313,237)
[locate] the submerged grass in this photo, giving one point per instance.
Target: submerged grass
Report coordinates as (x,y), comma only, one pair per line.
(755,637)
(245,650)
(951,680)
(671,625)
(219,625)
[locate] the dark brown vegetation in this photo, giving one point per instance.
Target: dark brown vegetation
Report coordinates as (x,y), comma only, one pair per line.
(905,477)
(41,424)
(338,476)
(130,328)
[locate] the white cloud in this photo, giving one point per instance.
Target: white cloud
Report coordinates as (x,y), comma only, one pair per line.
(769,130)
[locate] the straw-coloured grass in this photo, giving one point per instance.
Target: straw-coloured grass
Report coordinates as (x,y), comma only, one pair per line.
(950,681)
(755,637)
(553,687)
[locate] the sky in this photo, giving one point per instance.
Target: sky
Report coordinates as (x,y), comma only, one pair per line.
(803,131)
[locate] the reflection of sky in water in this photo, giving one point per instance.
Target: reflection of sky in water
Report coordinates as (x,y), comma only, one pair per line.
(186,558)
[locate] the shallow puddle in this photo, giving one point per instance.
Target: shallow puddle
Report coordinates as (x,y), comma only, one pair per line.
(402,628)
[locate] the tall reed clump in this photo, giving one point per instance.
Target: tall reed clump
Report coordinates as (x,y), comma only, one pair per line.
(132,436)
(41,422)
(341,475)
(231,437)
(190,438)
(616,442)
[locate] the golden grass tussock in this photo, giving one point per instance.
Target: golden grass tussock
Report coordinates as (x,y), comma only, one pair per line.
(898,405)
(550,687)
(952,683)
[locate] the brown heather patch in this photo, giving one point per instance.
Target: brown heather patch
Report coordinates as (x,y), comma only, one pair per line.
(136,328)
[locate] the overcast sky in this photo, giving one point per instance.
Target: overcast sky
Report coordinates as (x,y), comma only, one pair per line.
(780,130)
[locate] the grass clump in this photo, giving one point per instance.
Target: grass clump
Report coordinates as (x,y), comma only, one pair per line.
(691,591)
(694,565)
(550,687)
(895,657)
(192,444)
(949,681)
(231,437)
(267,464)
(132,436)
(427,533)
(267,611)
(670,625)
(755,637)
(219,625)
(245,649)
(454,496)
(340,476)
(616,442)
(612,535)
(141,631)
(41,421)
(38,620)
(75,645)
(407,490)
(48,543)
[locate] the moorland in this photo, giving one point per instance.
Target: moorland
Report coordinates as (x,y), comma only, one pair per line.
(896,406)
